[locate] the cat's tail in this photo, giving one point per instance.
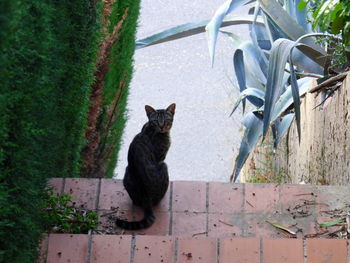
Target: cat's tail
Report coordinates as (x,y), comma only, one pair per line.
(146,222)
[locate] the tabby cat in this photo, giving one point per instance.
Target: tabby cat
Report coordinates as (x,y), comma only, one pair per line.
(146,177)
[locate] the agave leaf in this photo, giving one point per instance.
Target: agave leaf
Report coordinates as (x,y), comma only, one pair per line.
(272,30)
(289,26)
(250,92)
(191,29)
(264,44)
(250,138)
(278,58)
(281,18)
(253,74)
(248,119)
(304,62)
(297,57)
(239,67)
(294,83)
(286,99)
(254,61)
(213,26)
(276,31)
(236,40)
(280,127)
(280,52)
(296,98)
(258,33)
(238,64)
(300,15)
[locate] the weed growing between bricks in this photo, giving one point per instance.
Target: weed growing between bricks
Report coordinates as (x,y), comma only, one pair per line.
(63,216)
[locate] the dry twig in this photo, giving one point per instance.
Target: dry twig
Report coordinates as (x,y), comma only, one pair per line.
(329,81)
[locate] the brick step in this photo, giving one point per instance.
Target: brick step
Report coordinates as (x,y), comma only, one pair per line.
(145,249)
(205,222)
(215,209)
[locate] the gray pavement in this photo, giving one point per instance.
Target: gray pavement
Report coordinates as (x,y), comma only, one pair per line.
(205,139)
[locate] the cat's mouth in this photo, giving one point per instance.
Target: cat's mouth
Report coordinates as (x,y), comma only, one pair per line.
(164,130)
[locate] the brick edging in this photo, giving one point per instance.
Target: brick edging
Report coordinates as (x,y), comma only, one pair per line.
(168,248)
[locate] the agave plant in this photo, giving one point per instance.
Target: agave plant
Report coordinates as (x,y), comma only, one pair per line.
(273,70)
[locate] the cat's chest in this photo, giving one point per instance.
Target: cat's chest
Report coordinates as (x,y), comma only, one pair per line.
(160,147)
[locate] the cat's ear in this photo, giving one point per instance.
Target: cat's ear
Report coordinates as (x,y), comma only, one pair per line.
(149,109)
(171,108)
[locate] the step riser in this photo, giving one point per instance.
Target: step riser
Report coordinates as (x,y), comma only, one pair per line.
(139,249)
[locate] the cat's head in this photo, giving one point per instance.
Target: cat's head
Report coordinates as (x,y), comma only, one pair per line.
(161,120)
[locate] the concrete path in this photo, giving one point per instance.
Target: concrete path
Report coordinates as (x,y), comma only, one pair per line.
(204,138)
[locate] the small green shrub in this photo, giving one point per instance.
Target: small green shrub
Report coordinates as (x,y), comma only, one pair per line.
(332,16)
(63,217)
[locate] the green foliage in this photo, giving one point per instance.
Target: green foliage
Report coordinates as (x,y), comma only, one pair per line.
(332,16)
(46,69)
(115,92)
(63,217)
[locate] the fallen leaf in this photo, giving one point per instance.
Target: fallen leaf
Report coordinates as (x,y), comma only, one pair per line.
(279,226)
(332,223)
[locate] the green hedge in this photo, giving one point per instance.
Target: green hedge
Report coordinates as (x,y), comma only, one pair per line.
(47,55)
(111,103)
(120,71)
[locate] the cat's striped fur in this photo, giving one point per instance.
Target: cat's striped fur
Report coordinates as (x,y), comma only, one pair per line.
(146,177)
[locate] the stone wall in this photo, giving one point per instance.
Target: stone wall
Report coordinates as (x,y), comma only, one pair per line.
(323,155)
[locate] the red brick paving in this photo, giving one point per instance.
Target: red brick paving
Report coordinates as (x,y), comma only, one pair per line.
(114,195)
(188,224)
(197,249)
(240,250)
(293,195)
(67,248)
(155,249)
(261,198)
(224,225)
(283,250)
(161,228)
(107,248)
(257,225)
(204,222)
(189,196)
(225,198)
(326,251)
(83,190)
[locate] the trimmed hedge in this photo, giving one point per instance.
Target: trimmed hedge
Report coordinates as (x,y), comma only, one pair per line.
(47,55)
(118,79)
(107,113)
